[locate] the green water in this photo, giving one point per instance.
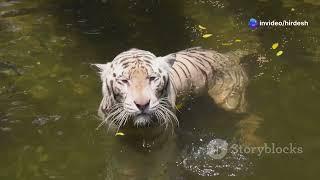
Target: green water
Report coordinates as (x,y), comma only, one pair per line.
(48,112)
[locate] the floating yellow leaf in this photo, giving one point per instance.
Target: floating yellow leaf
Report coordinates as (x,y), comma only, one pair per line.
(237,40)
(275,45)
(292,9)
(119,134)
(202,27)
(207,35)
(279,53)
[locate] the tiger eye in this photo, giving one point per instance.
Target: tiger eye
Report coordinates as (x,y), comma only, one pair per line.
(152,78)
(125,81)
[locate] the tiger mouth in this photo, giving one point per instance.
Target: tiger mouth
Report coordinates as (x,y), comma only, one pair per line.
(143,114)
(142,119)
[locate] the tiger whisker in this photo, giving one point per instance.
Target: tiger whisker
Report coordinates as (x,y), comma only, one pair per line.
(122,118)
(115,118)
(167,114)
(114,109)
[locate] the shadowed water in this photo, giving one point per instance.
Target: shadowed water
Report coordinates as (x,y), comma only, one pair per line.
(49,95)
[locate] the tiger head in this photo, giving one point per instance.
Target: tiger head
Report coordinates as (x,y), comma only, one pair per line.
(136,87)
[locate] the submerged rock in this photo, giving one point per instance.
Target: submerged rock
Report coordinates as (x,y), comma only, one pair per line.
(39,92)
(16,12)
(7,68)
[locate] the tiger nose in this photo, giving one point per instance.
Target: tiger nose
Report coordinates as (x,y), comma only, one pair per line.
(142,106)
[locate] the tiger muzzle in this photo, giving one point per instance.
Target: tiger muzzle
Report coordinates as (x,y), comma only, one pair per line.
(142,105)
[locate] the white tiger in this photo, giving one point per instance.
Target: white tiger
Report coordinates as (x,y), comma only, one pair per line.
(141,88)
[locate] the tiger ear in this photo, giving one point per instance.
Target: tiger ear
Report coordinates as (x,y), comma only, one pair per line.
(100,67)
(166,61)
(170,59)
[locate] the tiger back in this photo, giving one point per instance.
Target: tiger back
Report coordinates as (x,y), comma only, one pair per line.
(198,70)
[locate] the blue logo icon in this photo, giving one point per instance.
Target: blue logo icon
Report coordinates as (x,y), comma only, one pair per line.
(253,23)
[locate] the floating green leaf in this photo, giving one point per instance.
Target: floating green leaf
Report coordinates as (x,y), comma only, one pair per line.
(44,157)
(39,149)
(179,106)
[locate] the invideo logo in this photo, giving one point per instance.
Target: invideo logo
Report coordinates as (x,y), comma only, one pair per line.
(254,23)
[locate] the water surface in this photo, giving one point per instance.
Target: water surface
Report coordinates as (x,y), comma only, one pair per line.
(49,94)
